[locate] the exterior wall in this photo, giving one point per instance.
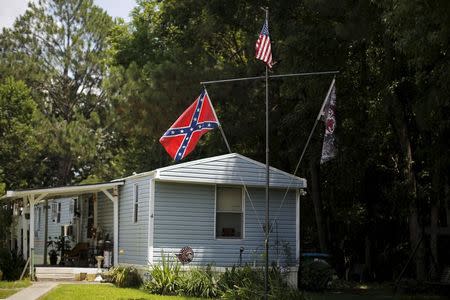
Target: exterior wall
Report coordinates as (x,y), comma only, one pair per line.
(229,169)
(54,228)
(133,237)
(105,215)
(185,216)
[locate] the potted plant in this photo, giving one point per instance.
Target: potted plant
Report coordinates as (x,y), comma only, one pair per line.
(53,255)
(57,245)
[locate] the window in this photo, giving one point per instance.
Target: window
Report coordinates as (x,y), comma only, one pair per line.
(54,211)
(73,208)
(39,218)
(90,219)
(136,203)
(58,217)
(229,213)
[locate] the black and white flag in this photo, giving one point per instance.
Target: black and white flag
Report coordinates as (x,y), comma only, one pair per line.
(329,116)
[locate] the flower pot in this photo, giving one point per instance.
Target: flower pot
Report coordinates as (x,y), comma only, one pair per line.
(53,259)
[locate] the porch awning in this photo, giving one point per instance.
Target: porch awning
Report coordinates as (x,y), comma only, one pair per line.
(45,193)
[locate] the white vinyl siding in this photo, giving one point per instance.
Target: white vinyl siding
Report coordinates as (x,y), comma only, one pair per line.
(185,216)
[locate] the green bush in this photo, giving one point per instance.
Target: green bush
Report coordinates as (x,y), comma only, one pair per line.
(125,276)
(11,264)
(315,275)
(247,283)
(165,279)
(200,283)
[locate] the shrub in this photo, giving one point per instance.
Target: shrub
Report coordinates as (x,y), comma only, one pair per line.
(125,276)
(164,278)
(246,283)
(11,264)
(200,283)
(315,275)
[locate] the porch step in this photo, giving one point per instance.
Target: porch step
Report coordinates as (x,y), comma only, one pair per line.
(61,273)
(55,277)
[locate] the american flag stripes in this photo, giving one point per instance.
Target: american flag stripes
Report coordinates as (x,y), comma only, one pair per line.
(263,46)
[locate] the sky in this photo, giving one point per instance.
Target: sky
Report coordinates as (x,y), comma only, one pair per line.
(11,9)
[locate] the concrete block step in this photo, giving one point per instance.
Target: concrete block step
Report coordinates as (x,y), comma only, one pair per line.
(54,270)
(48,277)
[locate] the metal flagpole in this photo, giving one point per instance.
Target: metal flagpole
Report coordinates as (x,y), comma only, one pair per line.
(266,273)
(315,124)
(271,76)
(220,125)
(266,77)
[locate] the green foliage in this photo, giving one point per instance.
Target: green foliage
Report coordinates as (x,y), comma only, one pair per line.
(125,276)
(59,49)
(315,275)
(200,282)
(11,264)
(247,283)
(19,146)
(165,278)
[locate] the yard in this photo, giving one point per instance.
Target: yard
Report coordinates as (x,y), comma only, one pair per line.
(8,288)
(103,291)
(110,292)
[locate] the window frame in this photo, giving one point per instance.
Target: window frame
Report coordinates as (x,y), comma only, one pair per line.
(242,237)
(39,218)
(135,216)
(54,208)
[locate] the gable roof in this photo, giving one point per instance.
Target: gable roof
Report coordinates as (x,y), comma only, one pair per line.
(230,168)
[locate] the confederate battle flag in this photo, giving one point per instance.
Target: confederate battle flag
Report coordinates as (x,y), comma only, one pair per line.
(182,137)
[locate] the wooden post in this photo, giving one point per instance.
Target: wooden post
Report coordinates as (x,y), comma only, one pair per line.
(45,231)
(114,197)
(116,226)
(31,253)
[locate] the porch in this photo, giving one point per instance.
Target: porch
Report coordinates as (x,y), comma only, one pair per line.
(68,222)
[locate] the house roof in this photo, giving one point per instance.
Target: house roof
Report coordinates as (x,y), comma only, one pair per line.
(230,168)
(233,169)
(43,193)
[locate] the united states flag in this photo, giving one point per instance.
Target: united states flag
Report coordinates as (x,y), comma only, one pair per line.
(182,137)
(263,47)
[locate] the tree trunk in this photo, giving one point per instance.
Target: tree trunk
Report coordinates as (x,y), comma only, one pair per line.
(411,188)
(433,237)
(314,169)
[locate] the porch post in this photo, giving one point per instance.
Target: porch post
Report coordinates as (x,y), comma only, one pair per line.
(297,226)
(116,226)
(114,197)
(45,231)
(31,199)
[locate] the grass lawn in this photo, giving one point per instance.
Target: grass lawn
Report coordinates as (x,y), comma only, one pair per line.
(101,291)
(8,288)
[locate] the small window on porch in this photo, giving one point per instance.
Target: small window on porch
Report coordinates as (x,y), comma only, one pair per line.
(54,211)
(136,203)
(39,211)
(58,216)
(229,213)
